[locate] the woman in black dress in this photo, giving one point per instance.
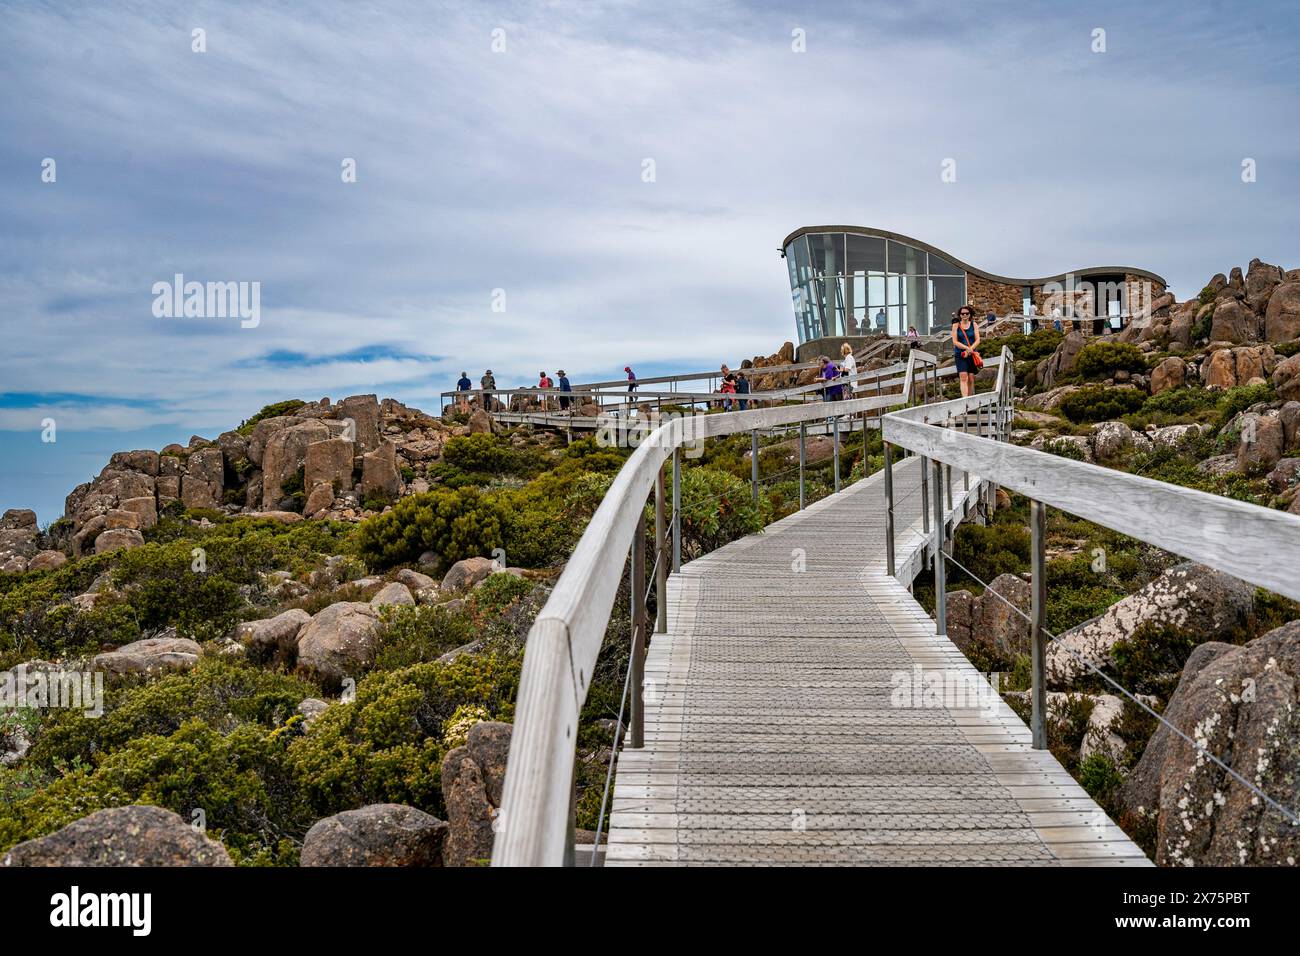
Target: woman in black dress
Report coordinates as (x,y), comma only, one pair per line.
(965,340)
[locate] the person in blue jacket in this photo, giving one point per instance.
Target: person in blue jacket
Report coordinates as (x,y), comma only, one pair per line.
(564,387)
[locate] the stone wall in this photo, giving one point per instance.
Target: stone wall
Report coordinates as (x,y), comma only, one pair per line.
(985,294)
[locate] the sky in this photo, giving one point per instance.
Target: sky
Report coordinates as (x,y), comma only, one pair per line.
(571,184)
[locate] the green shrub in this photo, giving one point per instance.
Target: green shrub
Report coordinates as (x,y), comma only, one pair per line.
(1100,777)
(1104,359)
(717,508)
(241,782)
(1180,401)
(491,456)
(270,411)
(387,746)
(414,634)
(1097,403)
(217,691)
(1028,348)
(990,550)
(1065,449)
(1151,659)
(1236,400)
(452,523)
(1201,327)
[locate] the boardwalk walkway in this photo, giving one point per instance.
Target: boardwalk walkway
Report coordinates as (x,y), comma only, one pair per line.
(770,733)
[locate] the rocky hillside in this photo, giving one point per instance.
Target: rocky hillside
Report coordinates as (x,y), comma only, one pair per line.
(304,637)
(1207,395)
(308,630)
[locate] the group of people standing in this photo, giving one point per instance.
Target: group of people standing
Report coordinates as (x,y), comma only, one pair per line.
(488,384)
(734,383)
(838,379)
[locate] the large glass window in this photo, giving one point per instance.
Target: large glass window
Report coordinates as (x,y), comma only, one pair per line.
(827,252)
(865,254)
(905,259)
(851,284)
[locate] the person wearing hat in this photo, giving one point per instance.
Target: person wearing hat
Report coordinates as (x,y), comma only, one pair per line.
(564,387)
(487,383)
(631,378)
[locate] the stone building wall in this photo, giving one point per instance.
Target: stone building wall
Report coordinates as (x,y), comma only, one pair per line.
(985,294)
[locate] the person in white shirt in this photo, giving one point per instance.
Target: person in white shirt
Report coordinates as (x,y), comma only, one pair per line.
(849,366)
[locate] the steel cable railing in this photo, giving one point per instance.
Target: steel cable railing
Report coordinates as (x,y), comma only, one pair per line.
(1132,505)
(565,640)
(1204,751)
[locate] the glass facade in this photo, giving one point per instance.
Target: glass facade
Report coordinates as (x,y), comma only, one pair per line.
(850,284)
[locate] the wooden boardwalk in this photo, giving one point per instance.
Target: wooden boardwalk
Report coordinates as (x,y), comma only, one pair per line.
(776,733)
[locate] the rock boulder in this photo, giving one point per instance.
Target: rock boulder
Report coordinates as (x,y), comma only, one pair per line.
(382,834)
(122,836)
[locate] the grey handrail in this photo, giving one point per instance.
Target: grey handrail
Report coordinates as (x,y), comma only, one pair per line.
(566,637)
(1236,537)
(1257,545)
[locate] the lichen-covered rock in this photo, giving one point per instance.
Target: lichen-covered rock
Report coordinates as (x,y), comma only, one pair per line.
(285,453)
(150,655)
(1171,436)
(311,708)
(47,560)
(339,642)
(1062,361)
(1110,439)
(1260,441)
(279,633)
(118,539)
(467,573)
(18,518)
(1282,317)
(379,474)
(1242,704)
(122,836)
(472,780)
(414,579)
(1286,378)
(382,834)
(1189,596)
(1171,373)
(392,593)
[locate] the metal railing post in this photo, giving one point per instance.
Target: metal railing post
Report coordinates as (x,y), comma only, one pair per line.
(866,466)
(803,436)
(661,556)
(889,509)
(637,663)
(1037,636)
(940,592)
(677,510)
(925,494)
(965,428)
(835,447)
(753,464)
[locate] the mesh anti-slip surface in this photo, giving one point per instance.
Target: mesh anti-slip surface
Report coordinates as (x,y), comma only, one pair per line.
(776,734)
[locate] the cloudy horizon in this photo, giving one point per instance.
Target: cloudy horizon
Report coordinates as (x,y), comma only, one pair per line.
(518,174)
